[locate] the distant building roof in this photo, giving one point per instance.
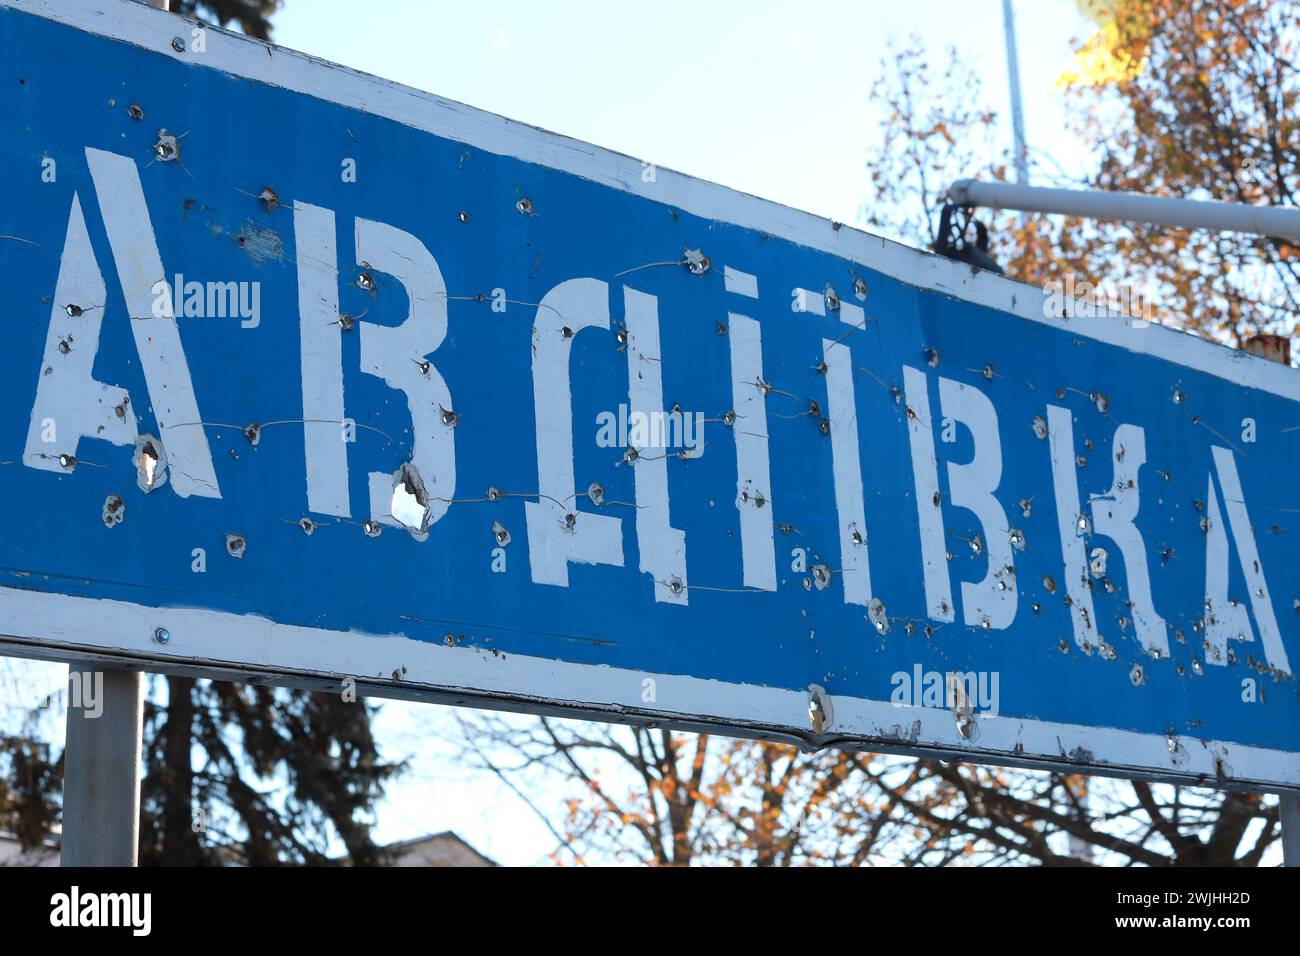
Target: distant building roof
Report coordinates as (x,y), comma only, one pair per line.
(437,849)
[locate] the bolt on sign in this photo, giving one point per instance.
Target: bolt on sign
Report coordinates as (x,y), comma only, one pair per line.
(313,378)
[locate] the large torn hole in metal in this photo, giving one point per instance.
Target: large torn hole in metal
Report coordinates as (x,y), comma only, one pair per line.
(150,461)
(410,506)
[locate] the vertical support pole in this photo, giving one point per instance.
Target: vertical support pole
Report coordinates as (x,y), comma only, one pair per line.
(101,768)
(1013,81)
(1289,807)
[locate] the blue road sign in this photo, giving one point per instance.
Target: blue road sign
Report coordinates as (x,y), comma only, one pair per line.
(310,377)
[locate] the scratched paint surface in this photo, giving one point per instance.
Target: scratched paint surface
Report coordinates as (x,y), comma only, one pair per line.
(1148,659)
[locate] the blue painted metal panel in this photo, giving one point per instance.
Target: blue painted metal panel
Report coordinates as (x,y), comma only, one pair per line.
(64,91)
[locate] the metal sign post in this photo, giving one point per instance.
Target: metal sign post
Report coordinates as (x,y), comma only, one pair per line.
(101,768)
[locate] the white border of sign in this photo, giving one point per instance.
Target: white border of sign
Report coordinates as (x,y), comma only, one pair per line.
(62,627)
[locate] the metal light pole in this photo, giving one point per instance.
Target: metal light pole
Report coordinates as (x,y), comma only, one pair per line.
(1013,81)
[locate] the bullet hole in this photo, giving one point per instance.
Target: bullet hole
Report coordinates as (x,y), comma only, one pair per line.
(824,426)
(236,545)
(1060,393)
(856,537)
(932,357)
(764,388)
(596,493)
(178,44)
(570,522)
(1087,444)
(1107,651)
(114,511)
(676,586)
(566,333)
(759,500)
(308,526)
(1166,553)
(463,216)
(1049,583)
(1097,562)
(150,463)
(366,281)
(1205,525)
(860,289)
(984,623)
(631,455)
(168,147)
(75,311)
(372,528)
(832,300)
(911,415)
(1179,396)
(965,724)
(410,504)
(729,418)
(494,494)
(936,499)
(821,713)
(524,206)
(449,418)
(120,408)
(1101,401)
(449,640)
(1065,648)
(823,368)
(621,338)
(501,535)
(1083,525)
(1026,506)
(1036,608)
(722,328)
(977,544)
(253,433)
(1137,677)
(424,366)
(896,393)
(346,322)
(1017,539)
(821,574)
(988,371)
(1198,505)
(877,616)
(1040,426)
(1155,653)
(696,262)
(65,345)
(814,409)
(1197,669)
(135,111)
(268,198)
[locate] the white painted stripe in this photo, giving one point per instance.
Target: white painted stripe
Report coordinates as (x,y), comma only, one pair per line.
(662,547)
(199,637)
(1243,536)
(929,513)
(1074,558)
(846,465)
(321,335)
(740,283)
(157,337)
(753,472)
